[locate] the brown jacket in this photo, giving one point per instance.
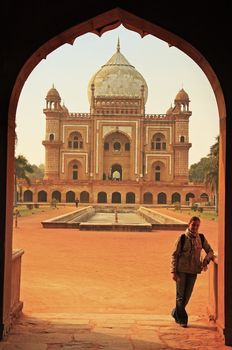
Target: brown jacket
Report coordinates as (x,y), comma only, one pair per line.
(189,259)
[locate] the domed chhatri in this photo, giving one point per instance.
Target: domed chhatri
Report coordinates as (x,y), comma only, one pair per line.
(182,96)
(53,94)
(117,78)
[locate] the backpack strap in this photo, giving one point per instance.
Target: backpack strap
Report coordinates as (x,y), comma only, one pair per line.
(182,240)
(202,237)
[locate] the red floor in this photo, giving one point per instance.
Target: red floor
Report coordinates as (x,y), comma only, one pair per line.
(66,270)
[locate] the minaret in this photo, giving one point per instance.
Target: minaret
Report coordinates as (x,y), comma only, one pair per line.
(181,144)
(52,142)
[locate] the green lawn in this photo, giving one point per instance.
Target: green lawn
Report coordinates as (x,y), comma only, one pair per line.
(209,215)
(24,211)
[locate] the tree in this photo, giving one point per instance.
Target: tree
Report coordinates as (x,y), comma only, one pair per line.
(198,170)
(22,168)
(211,178)
(206,170)
(38,172)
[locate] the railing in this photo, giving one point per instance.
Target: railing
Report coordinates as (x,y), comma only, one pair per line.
(157,117)
(79,115)
(16,304)
(212,307)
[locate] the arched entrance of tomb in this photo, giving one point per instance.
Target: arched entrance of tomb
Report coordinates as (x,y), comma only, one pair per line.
(116,144)
(116,172)
(99,25)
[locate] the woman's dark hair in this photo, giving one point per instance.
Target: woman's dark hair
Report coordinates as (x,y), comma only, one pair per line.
(194,218)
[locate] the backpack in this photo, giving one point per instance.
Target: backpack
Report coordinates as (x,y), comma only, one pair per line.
(182,240)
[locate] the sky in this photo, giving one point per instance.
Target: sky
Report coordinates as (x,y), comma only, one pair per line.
(70,67)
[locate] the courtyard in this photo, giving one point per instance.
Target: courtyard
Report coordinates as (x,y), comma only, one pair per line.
(104,290)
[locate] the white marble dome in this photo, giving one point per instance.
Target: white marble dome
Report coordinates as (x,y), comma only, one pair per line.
(117,78)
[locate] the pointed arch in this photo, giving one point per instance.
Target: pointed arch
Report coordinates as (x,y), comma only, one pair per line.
(28,196)
(102,197)
(56,195)
(147,198)
(99,25)
(130,197)
(116,197)
(70,197)
(84,197)
(162,198)
(176,198)
(42,196)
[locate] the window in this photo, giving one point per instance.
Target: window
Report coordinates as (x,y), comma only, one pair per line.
(75,141)
(117,146)
(75,172)
(51,137)
(127,146)
(157,173)
(158,142)
(182,139)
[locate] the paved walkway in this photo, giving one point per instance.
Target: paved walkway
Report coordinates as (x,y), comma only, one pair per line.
(110,332)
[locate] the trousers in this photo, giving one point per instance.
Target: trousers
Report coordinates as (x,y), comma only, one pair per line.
(184,288)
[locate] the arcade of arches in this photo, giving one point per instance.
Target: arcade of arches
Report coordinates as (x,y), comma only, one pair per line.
(107,197)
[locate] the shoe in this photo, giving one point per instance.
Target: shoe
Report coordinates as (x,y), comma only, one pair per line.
(184,325)
(173,314)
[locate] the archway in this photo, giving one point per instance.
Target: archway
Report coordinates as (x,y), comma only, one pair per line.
(148,198)
(116,172)
(116,197)
(104,23)
(117,144)
(189,196)
(84,197)
(130,197)
(56,195)
(162,198)
(176,198)
(102,197)
(42,196)
(28,196)
(70,197)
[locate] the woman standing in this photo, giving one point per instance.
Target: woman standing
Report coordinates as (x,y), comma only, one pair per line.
(186,264)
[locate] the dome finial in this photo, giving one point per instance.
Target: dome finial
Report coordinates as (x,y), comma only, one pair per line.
(118,46)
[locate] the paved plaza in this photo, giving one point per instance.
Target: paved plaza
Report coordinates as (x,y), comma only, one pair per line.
(110,332)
